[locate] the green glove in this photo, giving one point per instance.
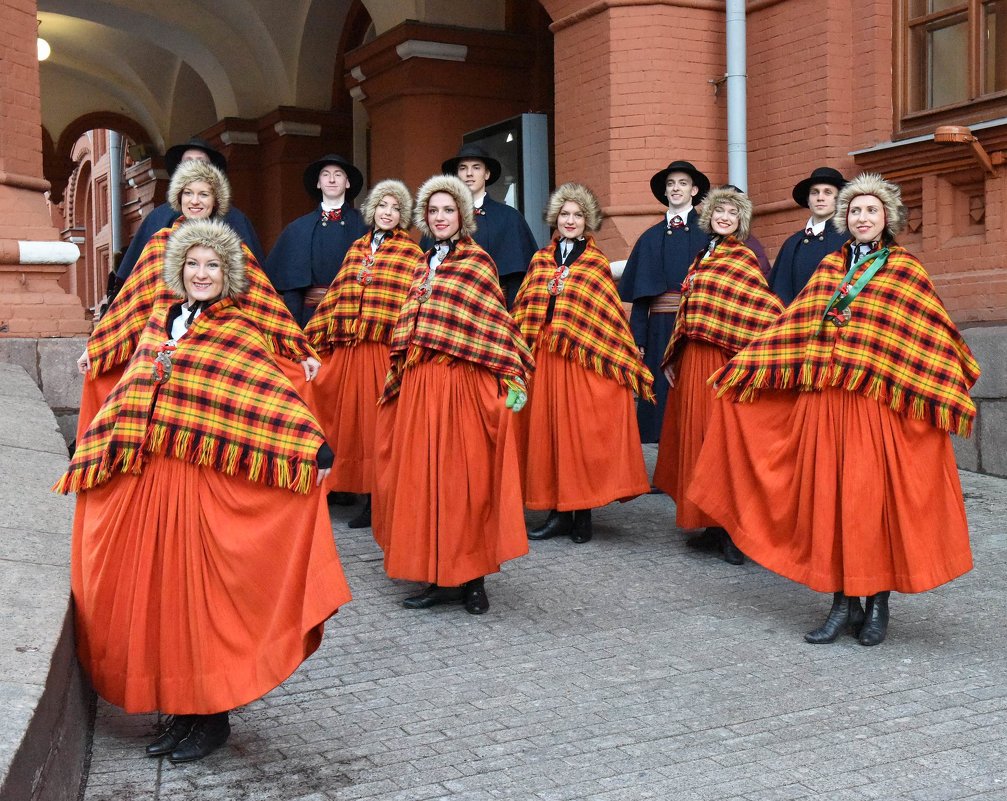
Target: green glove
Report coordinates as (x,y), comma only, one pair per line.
(516,395)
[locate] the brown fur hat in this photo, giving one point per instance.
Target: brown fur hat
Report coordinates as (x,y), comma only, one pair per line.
(397,190)
(734,196)
(583,197)
(220,238)
(193,170)
(871,183)
(454,187)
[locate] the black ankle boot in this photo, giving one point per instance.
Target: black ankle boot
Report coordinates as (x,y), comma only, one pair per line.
(582,529)
(558,524)
(875,619)
(208,733)
(731,553)
(846,613)
(709,540)
(432,596)
(476,602)
(362,520)
(341,499)
(177,728)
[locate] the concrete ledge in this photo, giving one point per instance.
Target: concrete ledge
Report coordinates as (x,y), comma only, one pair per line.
(986,452)
(43,730)
(51,362)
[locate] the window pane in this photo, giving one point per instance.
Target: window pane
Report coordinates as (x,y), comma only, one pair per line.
(994,46)
(947,65)
(919,8)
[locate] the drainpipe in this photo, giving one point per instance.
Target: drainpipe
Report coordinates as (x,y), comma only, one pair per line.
(115,190)
(737,109)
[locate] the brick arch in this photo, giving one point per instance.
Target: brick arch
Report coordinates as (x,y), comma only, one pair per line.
(358,20)
(62,164)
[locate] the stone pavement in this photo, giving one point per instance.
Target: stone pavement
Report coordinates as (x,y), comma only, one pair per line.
(626,668)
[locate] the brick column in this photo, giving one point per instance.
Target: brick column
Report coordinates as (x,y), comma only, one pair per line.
(633,93)
(32,260)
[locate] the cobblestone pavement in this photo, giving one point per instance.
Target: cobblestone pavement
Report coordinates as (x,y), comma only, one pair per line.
(627,668)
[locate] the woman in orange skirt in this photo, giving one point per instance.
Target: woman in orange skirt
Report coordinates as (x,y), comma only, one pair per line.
(725,302)
(447,500)
(580,443)
(351,329)
(202,566)
(198,191)
(828,453)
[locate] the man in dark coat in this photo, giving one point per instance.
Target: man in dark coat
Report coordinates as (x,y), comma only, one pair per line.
(500,230)
(652,279)
(164,216)
(310,251)
(802,252)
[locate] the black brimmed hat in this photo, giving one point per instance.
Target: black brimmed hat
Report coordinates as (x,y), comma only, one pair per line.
(174,155)
(314,169)
(659,181)
(469,153)
(821,175)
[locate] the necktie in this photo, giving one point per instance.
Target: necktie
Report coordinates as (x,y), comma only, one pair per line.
(331,215)
(677,222)
(809,231)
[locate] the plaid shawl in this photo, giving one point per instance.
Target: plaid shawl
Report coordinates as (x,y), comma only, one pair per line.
(588,324)
(725,300)
(460,315)
(116,335)
(900,346)
(224,405)
(364,300)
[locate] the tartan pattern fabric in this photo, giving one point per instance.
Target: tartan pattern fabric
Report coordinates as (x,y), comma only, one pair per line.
(725,300)
(352,311)
(460,314)
(116,335)
(588,324)
(900,347)
(224,405)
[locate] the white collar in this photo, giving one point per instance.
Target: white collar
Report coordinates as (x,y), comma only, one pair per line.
(683,213)
(816,228)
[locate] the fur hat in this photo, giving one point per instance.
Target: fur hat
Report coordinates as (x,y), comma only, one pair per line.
(734,196)
(871,183)
(580,195)
(397,190)
(191,171)
(220,238)
(454,187)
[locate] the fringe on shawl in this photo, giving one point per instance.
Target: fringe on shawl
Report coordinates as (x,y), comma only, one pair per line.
(641,382)
(348,332)
(296,475)
(744,384)
(120,354)
(285,346)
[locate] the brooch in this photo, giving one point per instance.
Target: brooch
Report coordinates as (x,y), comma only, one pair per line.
(365,275)
(839,318)
(161,369)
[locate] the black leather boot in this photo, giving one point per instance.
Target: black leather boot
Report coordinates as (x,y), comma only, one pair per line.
(476,602)
(582,529)
(845,614)
(432,596)
(558,524)
(177,728)
(731,553)
(875,619)
(709,540)
(362,520)
(208,733)
(341,499)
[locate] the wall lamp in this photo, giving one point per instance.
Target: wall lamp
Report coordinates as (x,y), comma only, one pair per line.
(962,135)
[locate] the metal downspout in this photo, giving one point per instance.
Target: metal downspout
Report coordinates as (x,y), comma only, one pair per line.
(737,107)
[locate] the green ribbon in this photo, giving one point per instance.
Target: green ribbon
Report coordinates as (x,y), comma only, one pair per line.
(840,301)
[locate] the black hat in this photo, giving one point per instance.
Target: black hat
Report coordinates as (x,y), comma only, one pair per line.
(174,155)
(657,183)
(469,152)
(315,169)
(821,175)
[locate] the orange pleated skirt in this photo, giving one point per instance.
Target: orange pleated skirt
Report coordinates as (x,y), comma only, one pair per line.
(835,491)
(686,417)
(197,592)
(579,439)
(447,496)
(94,393)
(346,393)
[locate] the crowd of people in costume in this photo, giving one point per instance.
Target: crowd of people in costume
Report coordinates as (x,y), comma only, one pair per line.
(801,411)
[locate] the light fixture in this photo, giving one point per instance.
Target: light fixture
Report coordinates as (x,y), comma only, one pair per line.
(962,135)
(43,46)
